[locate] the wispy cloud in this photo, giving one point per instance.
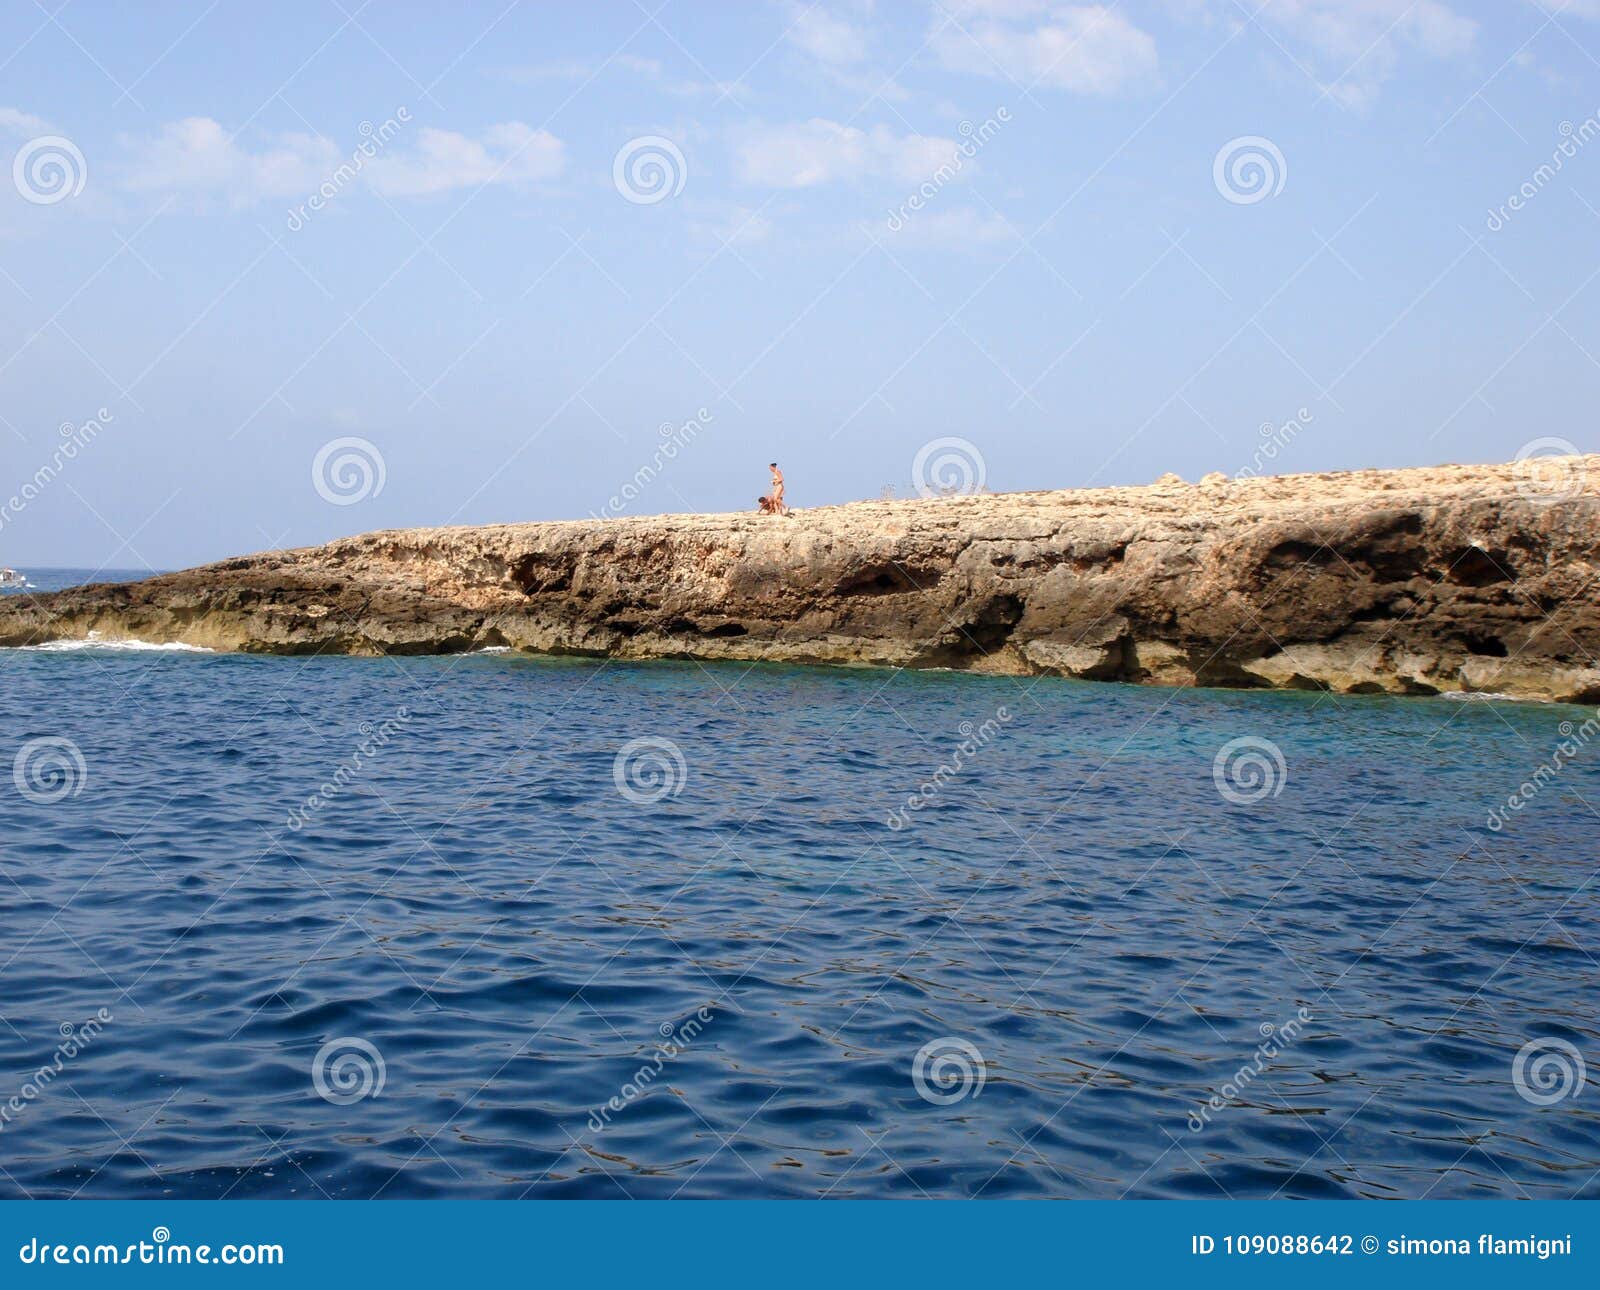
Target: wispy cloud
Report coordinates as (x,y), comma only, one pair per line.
(732,225)
(511,153)
(1356,45)
(649,70)
(961,229)
(820,151)
(837,42)
(20,123)
(199,158)
(1086,49)
(825,34)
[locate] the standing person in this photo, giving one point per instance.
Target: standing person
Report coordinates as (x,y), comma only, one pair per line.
(778,507)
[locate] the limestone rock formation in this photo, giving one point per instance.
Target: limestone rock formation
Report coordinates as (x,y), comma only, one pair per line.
(1453,578)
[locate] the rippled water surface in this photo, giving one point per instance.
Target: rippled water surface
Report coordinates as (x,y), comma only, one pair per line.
(490,913)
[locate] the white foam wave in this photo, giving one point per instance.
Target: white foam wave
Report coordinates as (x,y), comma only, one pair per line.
(119,646)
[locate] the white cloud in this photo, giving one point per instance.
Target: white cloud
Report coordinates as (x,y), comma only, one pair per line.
(826,35)
(1087,49)
(650,70)
(820,151)
(22,124)
(839,44)
(735,226)
(1351,28)
(197,156)
(1359,43)
(961,229)
(510,153)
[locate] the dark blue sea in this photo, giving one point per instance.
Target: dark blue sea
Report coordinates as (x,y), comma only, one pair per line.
(499,926)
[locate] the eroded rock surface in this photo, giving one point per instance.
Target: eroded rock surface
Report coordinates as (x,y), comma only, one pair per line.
(1417,581)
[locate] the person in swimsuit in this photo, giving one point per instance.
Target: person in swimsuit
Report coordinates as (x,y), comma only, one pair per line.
(778,508)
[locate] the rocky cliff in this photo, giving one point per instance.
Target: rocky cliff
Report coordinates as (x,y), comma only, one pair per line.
(1408,581)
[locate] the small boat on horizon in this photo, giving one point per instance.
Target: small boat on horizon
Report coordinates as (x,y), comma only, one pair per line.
(11,578)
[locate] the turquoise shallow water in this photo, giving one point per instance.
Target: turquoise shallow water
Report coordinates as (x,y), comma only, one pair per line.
(1035,986)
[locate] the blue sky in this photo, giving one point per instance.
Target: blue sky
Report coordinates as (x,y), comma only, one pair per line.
(504,316)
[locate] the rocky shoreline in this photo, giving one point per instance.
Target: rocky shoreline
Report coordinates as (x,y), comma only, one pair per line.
(1421,581)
